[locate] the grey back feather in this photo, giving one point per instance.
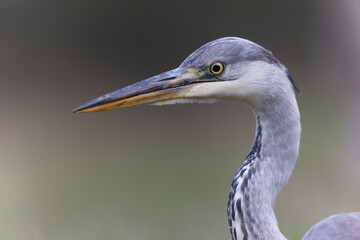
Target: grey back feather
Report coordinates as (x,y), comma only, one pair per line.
(343,226)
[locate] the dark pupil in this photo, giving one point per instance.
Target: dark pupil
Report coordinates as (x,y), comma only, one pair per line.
(216,68)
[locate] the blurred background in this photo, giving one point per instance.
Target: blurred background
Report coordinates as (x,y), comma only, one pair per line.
(164,172)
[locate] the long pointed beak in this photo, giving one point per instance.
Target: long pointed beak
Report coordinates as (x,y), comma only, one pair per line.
(169,85)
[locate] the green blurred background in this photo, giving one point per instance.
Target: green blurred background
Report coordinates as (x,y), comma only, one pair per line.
(164,172)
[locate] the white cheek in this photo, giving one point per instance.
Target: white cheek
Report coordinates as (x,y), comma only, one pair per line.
(227,90)
(254,82)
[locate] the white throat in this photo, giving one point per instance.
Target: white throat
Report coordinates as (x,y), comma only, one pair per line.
(266,170)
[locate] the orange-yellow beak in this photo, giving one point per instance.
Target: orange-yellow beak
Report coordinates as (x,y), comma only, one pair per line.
(166,86)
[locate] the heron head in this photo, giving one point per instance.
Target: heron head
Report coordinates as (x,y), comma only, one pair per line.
(227,68)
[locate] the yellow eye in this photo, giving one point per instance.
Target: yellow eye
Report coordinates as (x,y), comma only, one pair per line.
(216,68)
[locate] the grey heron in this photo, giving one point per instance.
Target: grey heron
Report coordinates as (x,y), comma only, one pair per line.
(237,69)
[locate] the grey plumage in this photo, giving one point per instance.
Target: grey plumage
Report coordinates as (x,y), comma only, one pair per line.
(246,72)
(229,50)
(343,226)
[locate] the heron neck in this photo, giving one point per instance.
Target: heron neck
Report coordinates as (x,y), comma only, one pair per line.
(265,171)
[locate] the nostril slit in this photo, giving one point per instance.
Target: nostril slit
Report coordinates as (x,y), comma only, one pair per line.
(167,79)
